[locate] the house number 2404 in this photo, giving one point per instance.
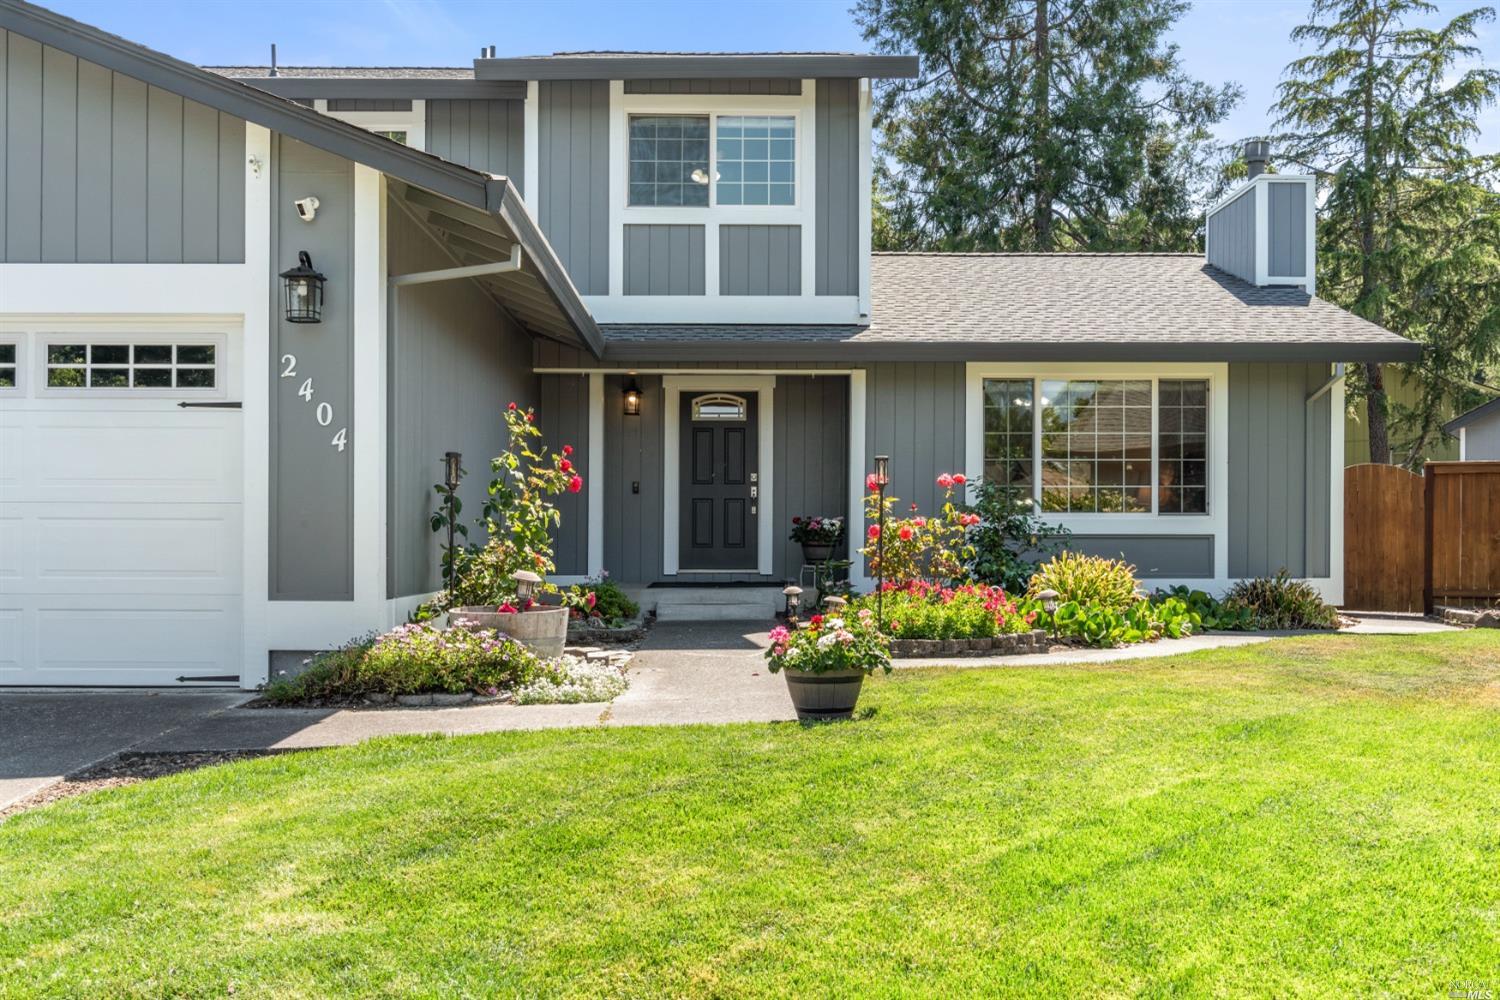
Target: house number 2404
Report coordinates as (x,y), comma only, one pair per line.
(324,411)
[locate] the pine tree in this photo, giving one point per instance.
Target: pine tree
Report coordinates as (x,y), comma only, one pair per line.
(1410,216)
(1039,125)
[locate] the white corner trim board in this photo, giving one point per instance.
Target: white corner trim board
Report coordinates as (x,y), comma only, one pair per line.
(594,462)
(673,386)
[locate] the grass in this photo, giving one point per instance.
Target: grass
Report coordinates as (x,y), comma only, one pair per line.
(1310,816)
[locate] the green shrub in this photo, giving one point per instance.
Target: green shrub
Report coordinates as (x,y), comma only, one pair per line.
(413,659)
(1108,584)
(1094,624)
(1010,537)
(1279,602)
(610,604)
(1208,611)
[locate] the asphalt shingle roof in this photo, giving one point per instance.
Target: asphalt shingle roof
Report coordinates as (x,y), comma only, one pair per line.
(1036,306)
(347,72)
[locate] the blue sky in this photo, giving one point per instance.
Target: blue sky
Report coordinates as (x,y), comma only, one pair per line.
(1241,40)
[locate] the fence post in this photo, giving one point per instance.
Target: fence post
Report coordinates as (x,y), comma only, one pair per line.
(1429,491)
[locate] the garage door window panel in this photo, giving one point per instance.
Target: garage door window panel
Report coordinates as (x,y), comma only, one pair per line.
(10,367)
(145,365)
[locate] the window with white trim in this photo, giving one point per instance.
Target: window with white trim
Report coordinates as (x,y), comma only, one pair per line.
(79,364)
(1100,446)
(10,366)
(751,159)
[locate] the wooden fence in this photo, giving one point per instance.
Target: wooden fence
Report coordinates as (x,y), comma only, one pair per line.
(1462,533)
(1413,542)
(1384,554)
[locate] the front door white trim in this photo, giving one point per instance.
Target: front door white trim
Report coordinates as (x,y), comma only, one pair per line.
(673,387)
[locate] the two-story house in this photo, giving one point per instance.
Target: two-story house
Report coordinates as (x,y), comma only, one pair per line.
(667,254)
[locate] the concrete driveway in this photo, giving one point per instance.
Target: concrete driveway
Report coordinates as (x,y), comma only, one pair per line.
(45,735)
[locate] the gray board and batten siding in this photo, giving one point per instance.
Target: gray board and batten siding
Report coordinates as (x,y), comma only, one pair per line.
(99,167)
(664,260)
(1230,241)
(1286,228)
(453,367)
(839,198)
(760,260)
(573,153)
(486,135)
(311,481)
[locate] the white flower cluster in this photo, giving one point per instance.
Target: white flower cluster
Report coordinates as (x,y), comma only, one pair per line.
(569,680)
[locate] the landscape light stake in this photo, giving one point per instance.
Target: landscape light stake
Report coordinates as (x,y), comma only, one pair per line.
(882,479)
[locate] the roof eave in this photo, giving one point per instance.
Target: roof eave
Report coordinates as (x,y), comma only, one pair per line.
(623,350)
(1480,412)
(669,67)
(415,87)
(502,200)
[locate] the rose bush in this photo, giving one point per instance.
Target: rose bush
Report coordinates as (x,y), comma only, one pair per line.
(932,549)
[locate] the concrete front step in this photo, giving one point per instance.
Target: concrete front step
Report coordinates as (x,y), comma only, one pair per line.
(719,604)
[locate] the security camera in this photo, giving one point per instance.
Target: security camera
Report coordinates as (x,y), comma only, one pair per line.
(307,208)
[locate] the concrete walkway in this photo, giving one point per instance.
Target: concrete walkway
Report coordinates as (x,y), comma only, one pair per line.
(684,673)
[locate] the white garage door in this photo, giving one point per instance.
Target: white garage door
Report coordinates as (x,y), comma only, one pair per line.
(120,510)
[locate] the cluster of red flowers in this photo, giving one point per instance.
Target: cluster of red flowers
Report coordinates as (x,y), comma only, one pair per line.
(996,600)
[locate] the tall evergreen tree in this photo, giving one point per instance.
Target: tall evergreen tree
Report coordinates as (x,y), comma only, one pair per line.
(1383,111)
(1039,125)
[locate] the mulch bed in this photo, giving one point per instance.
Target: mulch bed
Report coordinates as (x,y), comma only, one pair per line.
(128,769)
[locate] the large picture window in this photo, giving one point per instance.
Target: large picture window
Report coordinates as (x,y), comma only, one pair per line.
(669,160)
(1100,446)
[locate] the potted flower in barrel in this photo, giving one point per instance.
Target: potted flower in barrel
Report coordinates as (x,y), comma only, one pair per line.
(826,662)
(818,536)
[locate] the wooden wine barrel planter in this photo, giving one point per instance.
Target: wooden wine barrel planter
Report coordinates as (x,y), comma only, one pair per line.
(544,630)
(830,695)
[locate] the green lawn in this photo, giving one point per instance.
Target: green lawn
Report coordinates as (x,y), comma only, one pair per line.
(1314,816)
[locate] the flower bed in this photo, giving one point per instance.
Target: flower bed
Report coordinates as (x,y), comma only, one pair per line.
(423,664)
(920,610)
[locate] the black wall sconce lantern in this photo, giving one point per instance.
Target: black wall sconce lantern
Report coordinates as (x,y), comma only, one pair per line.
(303,287)
(632,399)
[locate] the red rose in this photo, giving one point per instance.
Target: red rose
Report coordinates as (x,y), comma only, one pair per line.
(565,465)
(506,609)
(871,483)
(512,406)
(796,520)
(913,507)
(905,533)
(815,620)
(874,531)
(960,478)
(575,484)
(567,449)
(529,417)
(591,599)
(945,481)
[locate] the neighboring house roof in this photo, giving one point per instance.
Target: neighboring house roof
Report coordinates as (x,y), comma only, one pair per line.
(1484,411)
(494,196)
(680,65)
(410,82)
(1021,307)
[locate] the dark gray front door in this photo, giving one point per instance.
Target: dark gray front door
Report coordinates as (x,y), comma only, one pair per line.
(719,481)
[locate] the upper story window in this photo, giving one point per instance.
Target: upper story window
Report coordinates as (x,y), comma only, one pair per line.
(757,160)
(752,160)
(669,160)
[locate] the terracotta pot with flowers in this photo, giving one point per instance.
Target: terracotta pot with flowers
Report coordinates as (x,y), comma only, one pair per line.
(818,536)
(826,662)
(502,584)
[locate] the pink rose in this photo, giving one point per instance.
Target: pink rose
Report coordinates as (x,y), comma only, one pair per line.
(871,483)
(591,599)
(874,531)
(921,522)
(575,484)
(905,533)
(945,481)
(506,609)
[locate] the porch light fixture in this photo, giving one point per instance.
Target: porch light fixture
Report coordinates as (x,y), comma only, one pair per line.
(526,584)
(882,480)
(303,288)
(632,399)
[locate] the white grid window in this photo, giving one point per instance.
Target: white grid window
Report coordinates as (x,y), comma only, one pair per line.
(757,160)
(669,160)
(147,365)
(10,369)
